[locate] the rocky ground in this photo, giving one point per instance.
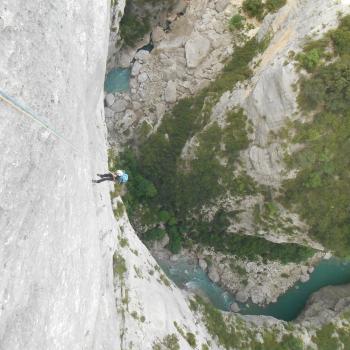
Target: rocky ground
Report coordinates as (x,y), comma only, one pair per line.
(259,282)
(325,305)
(182,62)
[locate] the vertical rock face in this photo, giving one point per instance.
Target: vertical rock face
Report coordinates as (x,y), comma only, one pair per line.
(58,231)
(55,230)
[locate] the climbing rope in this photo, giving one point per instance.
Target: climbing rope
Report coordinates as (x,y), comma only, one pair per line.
(26,111)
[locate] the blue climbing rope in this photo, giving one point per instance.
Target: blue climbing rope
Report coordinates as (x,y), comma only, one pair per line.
(26,111)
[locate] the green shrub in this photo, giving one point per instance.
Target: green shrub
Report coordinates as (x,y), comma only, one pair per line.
(191,339)
(274,5)
(216,325)
(253,247)
(132,27)
(119,265)
(119,210)
(236,22)
(321,190)
(309,60)
(253,8)
(324,338)
(329,87)
(169,342)
(179,192)
(175,242)
(164,216)
(154,234)
(341,36)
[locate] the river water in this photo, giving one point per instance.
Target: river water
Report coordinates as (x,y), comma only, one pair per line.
(288,305)
(117,80)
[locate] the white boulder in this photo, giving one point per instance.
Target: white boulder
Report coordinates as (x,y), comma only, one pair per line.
(202,264)
(142,77)
(119,106)
(196,49)
(135,70)
(109,99)
(213,274)
(221,5)
(170,92)
(234,307)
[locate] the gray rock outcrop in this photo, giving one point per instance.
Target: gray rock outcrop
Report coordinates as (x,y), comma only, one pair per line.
(213,274)
(56,229)
(170,92)
(325,305)
(196,49)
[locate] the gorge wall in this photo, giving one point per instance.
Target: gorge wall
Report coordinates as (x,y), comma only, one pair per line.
(72,276)
(58,231)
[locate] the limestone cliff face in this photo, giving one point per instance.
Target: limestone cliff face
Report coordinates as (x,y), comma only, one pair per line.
(72,277)
(58,231)
(326,305)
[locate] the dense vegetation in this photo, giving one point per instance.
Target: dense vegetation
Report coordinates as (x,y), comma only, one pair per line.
(326,340)
(236,22)
(252,247)
(133,27)
(178,188)
(321,190)
(231,333)
(138,16)
(171,202)
(254,8)
(258,9)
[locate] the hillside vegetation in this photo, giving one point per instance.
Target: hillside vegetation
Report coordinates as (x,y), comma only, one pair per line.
(321,190)
(168,190)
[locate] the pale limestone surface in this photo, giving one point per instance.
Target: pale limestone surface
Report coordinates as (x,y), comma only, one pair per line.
(325,305)
(58,231)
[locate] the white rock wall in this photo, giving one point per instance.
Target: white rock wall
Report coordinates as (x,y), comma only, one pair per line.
(55,227)
(58,232)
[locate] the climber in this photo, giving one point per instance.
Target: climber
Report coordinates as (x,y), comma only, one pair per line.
(120,176)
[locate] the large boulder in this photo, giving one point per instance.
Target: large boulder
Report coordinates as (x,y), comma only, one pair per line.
(196,49)
(170,92)
(203,264)
(135,70)
(158,34)
(241,297)
(221,5)
(234,307)
(213,274)
(119,105)
(109,99)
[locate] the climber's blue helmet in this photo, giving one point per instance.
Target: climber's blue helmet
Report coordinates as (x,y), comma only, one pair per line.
(122,176)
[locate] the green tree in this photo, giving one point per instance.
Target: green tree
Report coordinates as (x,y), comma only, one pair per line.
(253,8)
(274,5)
(236,22)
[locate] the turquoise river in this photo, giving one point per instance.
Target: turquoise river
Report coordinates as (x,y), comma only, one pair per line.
(287,307)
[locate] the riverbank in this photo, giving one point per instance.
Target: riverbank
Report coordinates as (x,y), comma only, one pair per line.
(262,282)
(287,307)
